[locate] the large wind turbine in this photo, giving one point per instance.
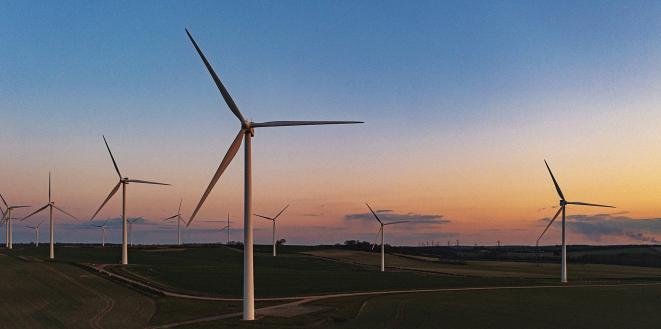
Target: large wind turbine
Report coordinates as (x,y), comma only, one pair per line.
(563,204)
(179,220)
(50,205)
(272,219)
(246,133)
(123,181)
(7,218)
(36,233)
(383,252)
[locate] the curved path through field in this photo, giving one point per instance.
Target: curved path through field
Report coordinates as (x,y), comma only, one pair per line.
(296,301)
(95,321)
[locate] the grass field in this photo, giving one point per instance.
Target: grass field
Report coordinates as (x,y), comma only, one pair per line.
(35,293)
(496,269)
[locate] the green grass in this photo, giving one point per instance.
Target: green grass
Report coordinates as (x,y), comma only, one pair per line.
(62,295)
(36,294)
(498,269)
(610,307)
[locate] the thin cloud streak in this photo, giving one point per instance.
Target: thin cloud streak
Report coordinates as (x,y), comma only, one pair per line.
(388,215)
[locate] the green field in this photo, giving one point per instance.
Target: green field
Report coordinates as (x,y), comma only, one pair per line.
(36,293)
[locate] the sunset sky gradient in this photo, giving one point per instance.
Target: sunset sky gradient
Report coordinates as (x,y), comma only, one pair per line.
(463,100)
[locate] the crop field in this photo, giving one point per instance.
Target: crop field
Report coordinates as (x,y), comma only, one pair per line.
(495,269)
(68,294)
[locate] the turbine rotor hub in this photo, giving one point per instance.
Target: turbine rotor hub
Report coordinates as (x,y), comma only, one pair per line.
(563,203)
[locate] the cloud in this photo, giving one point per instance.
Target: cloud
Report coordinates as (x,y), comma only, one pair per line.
(388,215)
(600,226)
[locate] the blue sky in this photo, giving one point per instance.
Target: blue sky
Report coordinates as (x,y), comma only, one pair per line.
(461,89)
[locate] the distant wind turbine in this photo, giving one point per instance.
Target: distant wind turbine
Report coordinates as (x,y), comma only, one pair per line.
(179,220)
(123,181)
(228,228)
(246,133)
(50,205)
(36,232)
(131,222)
(383,252)
(7,218)
(563,204)
(272,219)
(103,232)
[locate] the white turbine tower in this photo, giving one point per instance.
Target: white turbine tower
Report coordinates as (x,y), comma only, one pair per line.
(563,204)
(50,205)
(272,219)
(7,218)
(103,232)
(123,181)
(383,252)
(246,133)
(179,220)
(36,233)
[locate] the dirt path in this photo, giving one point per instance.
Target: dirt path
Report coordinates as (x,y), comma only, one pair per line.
(308,299)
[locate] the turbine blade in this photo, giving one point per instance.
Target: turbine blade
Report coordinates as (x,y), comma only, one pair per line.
(49,187)
(114,190)
(557,187)
(377,238)
(399,222)
(281,211)
(64,212)
(145,182)
(112,157)
(551,222)
(219,84)
(3,201)
(231,152)
(2,212)
(373,213)
(300,123)
(14,207)
(590,204)
(35,212)
(179,209)
(170,217)
(269,218)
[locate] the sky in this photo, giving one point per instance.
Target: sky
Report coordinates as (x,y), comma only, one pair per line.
(462,102)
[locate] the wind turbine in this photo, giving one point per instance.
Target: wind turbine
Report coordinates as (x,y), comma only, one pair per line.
(179,220)
(123,181)
(50,205)
(36,232)
(103,232)
(245,133)
(131,222)
(273,220)
(383,252)
(563,204)
(7,217)
(227,227)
